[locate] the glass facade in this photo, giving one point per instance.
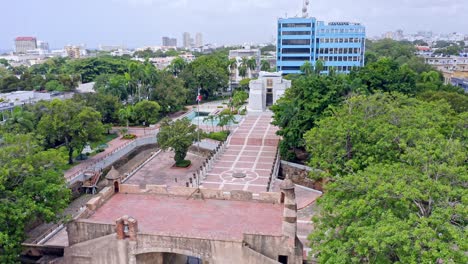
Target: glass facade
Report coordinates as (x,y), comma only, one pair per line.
(340,45)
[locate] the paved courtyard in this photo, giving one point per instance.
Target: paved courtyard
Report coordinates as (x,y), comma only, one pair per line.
(160,171)
(248,161)
(179,216)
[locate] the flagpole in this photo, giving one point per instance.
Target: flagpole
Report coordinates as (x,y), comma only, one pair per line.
(198,109)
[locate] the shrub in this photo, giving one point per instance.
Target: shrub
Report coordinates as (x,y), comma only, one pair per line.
(183,164)
(129,136)
(220,136)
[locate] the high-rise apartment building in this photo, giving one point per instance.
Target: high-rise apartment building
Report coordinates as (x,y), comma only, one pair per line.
(187,40)
(340,45)
(198,40)
(23,44)
(73,52)
(169,42)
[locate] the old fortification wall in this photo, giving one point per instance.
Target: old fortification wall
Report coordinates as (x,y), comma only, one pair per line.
(267,197)
(84,230)
(299,174)
(102,250)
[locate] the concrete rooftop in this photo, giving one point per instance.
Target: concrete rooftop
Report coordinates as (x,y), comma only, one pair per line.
(179,216)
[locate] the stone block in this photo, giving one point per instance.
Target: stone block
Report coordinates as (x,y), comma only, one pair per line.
(94,203)
(127,188)
(238,195)
(157,189)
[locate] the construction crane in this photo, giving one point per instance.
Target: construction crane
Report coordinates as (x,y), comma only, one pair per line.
(305,9)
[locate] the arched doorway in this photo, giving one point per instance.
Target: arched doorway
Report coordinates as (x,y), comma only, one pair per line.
(116,187)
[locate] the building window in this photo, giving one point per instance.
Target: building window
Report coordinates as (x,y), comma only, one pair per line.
(291,68)
(293,33)
(295,25)
(296,42)
(296,58)
(296,51)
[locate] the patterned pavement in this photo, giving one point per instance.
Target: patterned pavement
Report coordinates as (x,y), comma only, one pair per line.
(251,153)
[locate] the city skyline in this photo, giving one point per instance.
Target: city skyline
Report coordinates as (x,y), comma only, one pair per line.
(137,23)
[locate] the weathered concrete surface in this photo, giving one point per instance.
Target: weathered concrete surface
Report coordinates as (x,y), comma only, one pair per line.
(84,230)
(215,219)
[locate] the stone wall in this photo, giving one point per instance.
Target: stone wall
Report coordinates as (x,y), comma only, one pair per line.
(84,230)
(273,246)
(299,174)
(101,250)
(267,197)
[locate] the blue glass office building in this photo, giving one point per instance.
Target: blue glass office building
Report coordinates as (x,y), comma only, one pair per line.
(340,45)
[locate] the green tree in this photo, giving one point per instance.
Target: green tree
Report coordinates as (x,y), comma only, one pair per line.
(208,72)
(126,114)
(226,120)
(115,85)
(374,129)
(458,101)
(32,188)
(245,84)
(397,166)
(386,75)
(243,71)
(178,136)
(177,66)
(20,121)
(107,105)
(239,98)
(170,93)
(265,65)
(303,105)
(54,85)
(147,111)
(306,68)
(71,124)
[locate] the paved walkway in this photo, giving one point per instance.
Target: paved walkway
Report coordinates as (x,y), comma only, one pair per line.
(160,171)
(251,153)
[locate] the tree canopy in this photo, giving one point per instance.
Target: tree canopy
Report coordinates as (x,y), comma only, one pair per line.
(398,168)
(32,187)
(177,135)
(70,123)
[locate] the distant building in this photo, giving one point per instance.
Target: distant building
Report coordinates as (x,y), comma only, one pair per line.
(460,82)
(266,90)
(239,55)
(199,40)
(340,45)
(169,42)
(73,52)
(44,46)
(23,44)
(110,48)
(187,40)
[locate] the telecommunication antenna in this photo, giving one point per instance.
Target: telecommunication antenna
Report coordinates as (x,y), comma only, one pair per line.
(305,9)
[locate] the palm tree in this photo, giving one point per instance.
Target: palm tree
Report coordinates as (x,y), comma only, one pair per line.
(243,71)
(265,65)
(125,114)
(226,119)
(252,64)
(306,68)
(319,66)
(20,121)
(177,66)
(210,118)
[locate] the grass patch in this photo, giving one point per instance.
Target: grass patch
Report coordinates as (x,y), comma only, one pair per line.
(219,136)
(183,164)
(106,138)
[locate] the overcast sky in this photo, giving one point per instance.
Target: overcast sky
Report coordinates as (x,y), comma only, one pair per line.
(143,22)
